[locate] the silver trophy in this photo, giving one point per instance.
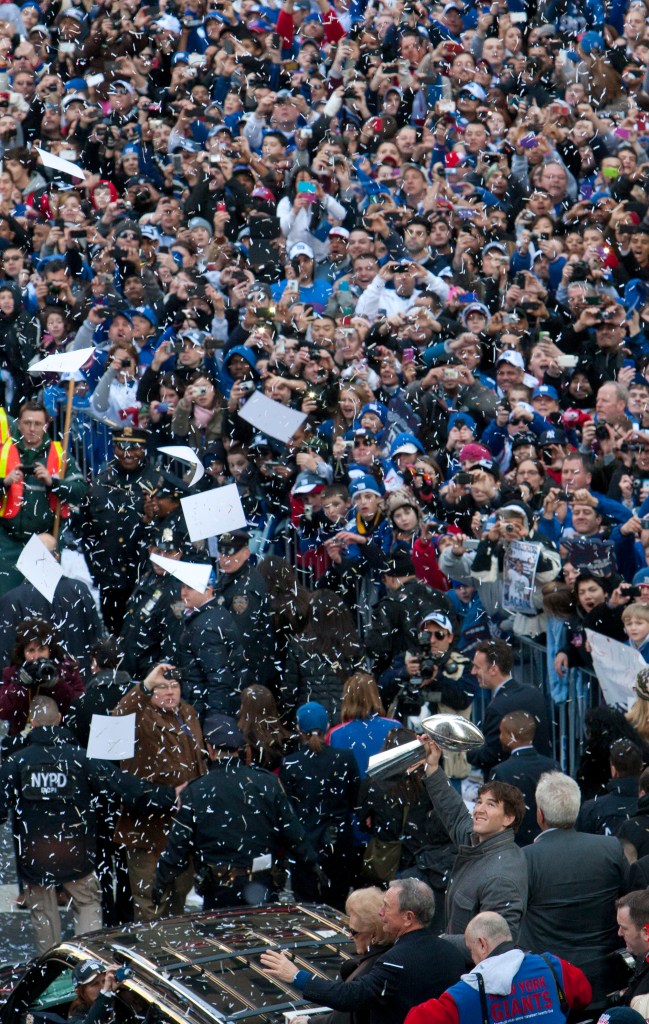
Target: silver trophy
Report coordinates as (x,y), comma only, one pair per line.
(450,732)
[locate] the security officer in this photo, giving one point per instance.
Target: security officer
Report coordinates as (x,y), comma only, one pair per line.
(37,485)
(116,524)
(242,590)
(235,821)
(210,652)
(50,784)
(154,618)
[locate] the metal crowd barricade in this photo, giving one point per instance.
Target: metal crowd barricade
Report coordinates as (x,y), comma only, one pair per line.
(90,440)
(567,717)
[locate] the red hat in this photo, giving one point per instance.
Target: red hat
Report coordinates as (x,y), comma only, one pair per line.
(474,452)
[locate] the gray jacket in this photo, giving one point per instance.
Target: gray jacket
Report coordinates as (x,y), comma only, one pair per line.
(491,875)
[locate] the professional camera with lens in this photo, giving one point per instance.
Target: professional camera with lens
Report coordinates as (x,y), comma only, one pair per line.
(41,674)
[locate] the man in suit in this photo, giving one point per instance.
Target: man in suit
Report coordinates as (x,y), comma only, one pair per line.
(492,667)
(604,815)
(523,768)
(412,970)
(574,880)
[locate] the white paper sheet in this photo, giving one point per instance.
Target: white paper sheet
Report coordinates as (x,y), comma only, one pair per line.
(193,574)
(616,667)
(63,362)
(186,454)
(213,512)
(271,418)
(58,164)
(39,567)
(112,738)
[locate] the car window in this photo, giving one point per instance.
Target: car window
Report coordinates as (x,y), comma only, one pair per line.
(59,990)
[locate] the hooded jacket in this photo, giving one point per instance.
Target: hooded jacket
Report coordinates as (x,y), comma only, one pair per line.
(19,337)
(517,987)
(227,380)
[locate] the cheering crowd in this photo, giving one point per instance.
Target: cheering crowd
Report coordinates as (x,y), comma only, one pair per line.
(424,228)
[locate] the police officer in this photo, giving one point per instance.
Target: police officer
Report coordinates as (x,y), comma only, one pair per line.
(50,783)
(153,621)
(235,821)
(116,522)
(242,590)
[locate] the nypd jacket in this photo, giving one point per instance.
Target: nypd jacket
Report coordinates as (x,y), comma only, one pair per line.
(517,987)
(51,786)
(230,816)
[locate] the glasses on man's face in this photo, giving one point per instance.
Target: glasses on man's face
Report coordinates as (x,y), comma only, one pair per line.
(438,634)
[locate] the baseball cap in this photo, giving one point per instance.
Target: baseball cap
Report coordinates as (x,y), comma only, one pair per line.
(147,312)
(474,90)
(87,971)
(620,1014)
(312,717)
(546,391)
(363,434)
(439,619)
(167,23)
(516,508)
(495,245)
(307,482)
(222,731)
(200,222)
(513,358)
(340,232)
(300,249)
(553,436)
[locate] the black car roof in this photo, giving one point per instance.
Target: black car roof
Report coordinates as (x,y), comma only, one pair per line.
(210,961)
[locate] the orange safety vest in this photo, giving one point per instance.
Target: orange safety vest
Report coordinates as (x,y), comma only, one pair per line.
(13,499)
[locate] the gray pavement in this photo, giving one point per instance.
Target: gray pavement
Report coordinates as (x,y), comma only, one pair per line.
(16,943)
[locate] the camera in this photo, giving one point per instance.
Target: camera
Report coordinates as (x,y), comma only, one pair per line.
(42,673)
(177,674)
(247,386)
(644,523)
(122,973)
(631,592)
(580,271)
(601,432)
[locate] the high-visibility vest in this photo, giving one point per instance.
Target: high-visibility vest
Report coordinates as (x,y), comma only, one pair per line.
(13,498)
(5,429)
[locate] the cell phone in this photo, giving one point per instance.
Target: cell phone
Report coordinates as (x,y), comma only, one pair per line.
(463,479)
(275,40)
(447,106)
(519,280)
(518,17)
(101,312)
(529,142)
(79,233)
(408,355)
(177,163)
(567,362)
(59,223)
(67,48)
(622,133)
